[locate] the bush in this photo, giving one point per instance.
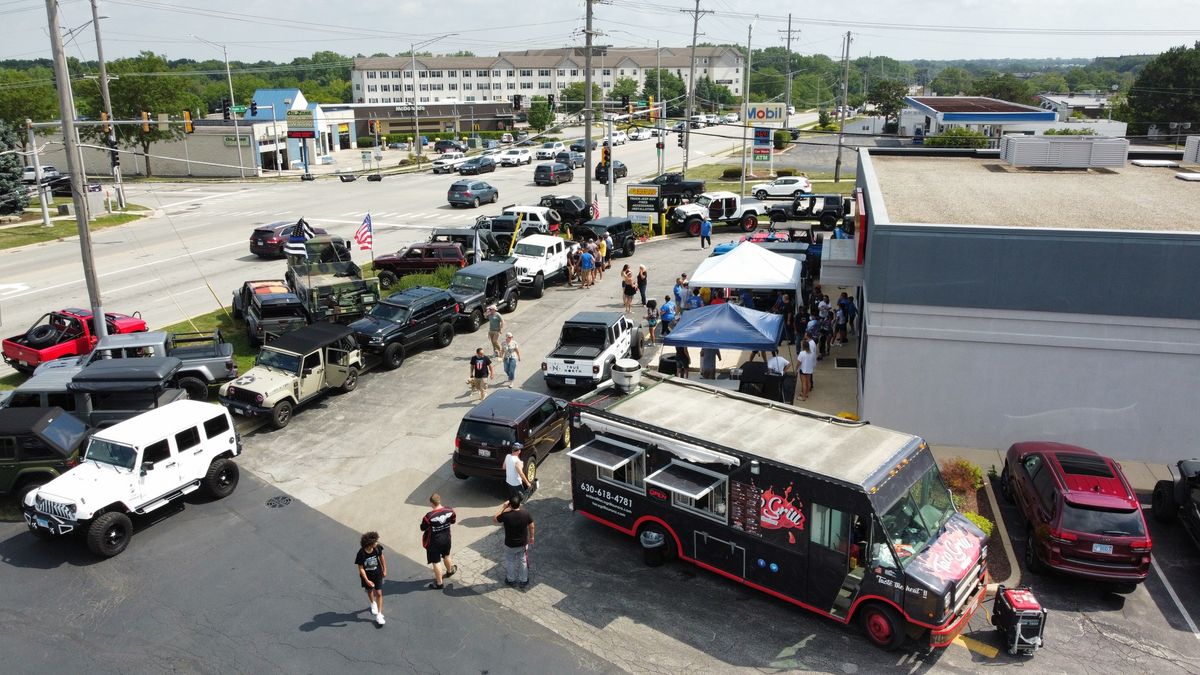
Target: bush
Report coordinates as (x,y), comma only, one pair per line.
(1069,132)
(957,137)
(439,279)
(823,118)
(891,127)
(960,501)
(782,137)
(366,141)
(961,476)
(732,173)
(779,173)
(981,522)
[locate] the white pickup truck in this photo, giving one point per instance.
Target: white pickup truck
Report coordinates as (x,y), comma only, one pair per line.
(448,162)
(726,207)
(589,345)
(541,257)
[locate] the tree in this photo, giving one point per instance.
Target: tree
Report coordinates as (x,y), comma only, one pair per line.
(951,82)
(624,86)
(888,97)
(1052,83)
(1004,87)
(710,92)
(673,90)
(822,118)
(957,137)
(13,195)
(540,116)
(27,95)
(572,96)
(1165,90)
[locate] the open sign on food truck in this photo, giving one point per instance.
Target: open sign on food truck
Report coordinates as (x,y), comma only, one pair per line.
(846,519)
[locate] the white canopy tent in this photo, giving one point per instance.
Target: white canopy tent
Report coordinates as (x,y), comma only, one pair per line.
(749,266)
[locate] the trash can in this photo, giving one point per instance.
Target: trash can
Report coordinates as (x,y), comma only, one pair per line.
(64,209)
(667,365)
(654,548)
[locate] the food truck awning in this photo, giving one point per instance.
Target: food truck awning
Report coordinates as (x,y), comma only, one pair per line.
(684,480)
(604,454)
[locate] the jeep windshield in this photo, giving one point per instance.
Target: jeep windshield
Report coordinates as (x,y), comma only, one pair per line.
(915,520)
(532,250)
(278,360)
(583,335)
(390,312)
(704,200)
(108,452)
(467,282)
(1079,518)
(485,433)
(282,312)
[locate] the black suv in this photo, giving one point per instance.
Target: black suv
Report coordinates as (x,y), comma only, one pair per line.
(447,145)
(571,209)
(553,174)
(482,284)
(36,446)
(406,320)
(486,434)
(619,170)
(621,229)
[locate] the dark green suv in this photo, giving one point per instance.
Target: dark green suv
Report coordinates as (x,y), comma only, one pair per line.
(36,446)
(406,320)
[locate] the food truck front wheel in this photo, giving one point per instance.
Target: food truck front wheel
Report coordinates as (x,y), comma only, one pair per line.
(882,625)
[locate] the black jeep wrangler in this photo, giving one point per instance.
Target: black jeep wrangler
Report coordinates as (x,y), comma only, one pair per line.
(621,229)
(1179,498)
(827,209)
(485,283)
(572,209)
(406,320)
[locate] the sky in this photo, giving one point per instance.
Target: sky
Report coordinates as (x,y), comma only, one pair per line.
(279,30)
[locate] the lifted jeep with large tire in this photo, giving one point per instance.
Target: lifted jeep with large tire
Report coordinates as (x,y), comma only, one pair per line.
(136,467)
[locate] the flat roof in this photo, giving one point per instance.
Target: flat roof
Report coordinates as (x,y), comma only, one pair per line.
(987,191)
(846,451)
(970,104)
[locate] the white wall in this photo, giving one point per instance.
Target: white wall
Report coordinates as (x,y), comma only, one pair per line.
(1120,386)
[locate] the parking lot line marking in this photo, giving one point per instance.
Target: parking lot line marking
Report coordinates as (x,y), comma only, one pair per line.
(1175,598)
(985,650)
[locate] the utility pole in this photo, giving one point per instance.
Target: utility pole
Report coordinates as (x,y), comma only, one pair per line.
(43,193)
(66,106)
(608,184)
(658,100)
(412,51)
(587,107)
(745,99)
(237,134)
(118,186)
(787,95)
(837,168)
(691,93)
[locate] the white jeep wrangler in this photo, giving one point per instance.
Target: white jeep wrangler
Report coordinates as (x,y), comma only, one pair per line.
(590,343)
(539,258)
(135,467)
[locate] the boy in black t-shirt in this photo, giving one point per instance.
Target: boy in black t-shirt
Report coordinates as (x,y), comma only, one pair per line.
(518,536)
(435,537)
(372,569)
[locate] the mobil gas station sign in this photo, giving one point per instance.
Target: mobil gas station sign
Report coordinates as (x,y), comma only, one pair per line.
(757,114)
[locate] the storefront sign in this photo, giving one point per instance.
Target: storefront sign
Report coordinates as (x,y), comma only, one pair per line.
(230,141)
(409,109)
(760,113)
(641,198)
(762,154)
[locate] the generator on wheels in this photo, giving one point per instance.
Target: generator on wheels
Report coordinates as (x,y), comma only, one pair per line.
(1021,619)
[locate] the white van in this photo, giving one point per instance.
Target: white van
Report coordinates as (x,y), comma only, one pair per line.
(699,121)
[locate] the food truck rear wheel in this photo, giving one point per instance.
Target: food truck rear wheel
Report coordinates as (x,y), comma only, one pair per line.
(668,547)
(882,625)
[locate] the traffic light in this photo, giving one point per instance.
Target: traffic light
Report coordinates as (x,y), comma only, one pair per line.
(145,122)
(550,102)
(254,108)
(625,100)
(681,139)
(104,118)
(659,145)
(225,114)
(188,128)
(516,101)
(604,154)
(114,157)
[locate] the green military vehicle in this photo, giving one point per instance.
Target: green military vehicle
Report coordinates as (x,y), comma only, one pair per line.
(328,283)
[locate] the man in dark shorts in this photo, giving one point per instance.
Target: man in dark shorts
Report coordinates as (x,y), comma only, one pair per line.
(518,536)
(372,569)
(435,537)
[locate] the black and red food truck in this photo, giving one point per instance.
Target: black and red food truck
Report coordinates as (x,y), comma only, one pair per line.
(843,518)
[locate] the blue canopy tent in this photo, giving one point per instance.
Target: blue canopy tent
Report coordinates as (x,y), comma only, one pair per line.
(726,326)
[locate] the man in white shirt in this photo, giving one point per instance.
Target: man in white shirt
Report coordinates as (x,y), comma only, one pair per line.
(514,472)
(777,365)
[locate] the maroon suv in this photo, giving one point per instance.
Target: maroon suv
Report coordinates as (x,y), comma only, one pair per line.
(1082,516)
(418,259)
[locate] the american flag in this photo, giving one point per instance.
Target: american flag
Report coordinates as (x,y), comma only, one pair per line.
(301,233)
(363,235)
(596,207)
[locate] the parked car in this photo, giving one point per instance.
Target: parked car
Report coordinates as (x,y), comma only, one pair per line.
(712,120)
(418,259)
(784,186)
(619,170)
(406,320)
(570,208)
(266,241)
(488,431)
(448,145)
(515,157)
(477,165)
(29,177)
(546,220)
(553,174)
(731,118)
(1081,516)
(482,284)
(718,207)
(1179,498)
(540,258)
(67,332)
(675,185)
(37,445)
(581,145)
(618,138)
(588,347)
(549,149)
(472,193)
(827,209)
(619,227)
(570,158)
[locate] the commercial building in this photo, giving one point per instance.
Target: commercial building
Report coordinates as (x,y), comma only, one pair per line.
(1002,304)
(535,72)
(1091,104)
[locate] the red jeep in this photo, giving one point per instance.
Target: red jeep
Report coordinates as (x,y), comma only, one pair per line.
(67,332)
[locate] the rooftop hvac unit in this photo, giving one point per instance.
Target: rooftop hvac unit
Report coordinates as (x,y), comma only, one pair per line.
(1064,152)
(1191,151)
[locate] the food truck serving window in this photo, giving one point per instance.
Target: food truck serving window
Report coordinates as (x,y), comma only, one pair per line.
(693,488)
(615,462)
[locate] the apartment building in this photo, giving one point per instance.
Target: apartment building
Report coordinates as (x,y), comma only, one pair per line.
(534,72)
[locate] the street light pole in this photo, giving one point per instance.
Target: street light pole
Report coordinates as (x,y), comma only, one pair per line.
(237,134)
(118,186)
(416,88)
(691,92)
(745,100)
(587,106)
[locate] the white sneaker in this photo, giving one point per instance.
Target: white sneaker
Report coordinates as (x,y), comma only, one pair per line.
(374,607)
(379,619)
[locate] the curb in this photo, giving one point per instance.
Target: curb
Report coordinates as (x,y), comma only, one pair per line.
(1014,576)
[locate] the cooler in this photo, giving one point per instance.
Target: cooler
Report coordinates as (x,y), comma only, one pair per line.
(1020,618)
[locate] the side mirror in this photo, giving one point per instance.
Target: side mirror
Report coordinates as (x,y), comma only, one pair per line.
(147,467)
(306,371)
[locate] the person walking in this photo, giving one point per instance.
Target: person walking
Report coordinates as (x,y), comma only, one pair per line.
(514,473)
(481,372)
(510,352)
(372,570)
(807,362)
(669,313)
(518,537)
(705,233)
(435,537)
(652,318)
(587,266)
(628,288)
(608,250)
(643,282)
(495,327)
(851,315)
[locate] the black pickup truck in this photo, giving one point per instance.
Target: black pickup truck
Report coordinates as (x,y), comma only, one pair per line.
(675,185)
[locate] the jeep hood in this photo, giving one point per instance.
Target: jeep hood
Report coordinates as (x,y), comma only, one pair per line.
(75,362)
(90,485)
(465,296)
(373,326)
(265,381)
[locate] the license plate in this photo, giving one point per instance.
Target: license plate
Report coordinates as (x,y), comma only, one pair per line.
(1101,548)
(258,241)
(42,522)
(485,453)
(569,380)
(240,410)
